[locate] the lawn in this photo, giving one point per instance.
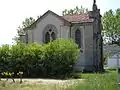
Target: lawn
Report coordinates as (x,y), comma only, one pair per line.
(105,81)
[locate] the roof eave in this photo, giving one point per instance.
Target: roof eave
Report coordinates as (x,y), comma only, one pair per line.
(81,22)
(39,19)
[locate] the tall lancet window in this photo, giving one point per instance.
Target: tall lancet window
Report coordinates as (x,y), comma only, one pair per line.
(47,37)
(53,36)
(78,37)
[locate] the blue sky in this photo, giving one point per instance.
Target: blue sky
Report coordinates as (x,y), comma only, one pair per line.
(13,12)
(112,4)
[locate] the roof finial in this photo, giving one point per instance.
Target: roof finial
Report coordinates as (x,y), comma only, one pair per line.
(94,2)
(94,5)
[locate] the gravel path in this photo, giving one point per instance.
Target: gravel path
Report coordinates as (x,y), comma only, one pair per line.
(48,80)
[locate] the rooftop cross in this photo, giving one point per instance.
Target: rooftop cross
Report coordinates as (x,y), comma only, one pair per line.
(94,5)
(94,2)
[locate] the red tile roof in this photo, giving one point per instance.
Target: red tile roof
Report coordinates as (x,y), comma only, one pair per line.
(78,18)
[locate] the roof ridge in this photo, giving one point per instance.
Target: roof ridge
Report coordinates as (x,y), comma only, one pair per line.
(78,14)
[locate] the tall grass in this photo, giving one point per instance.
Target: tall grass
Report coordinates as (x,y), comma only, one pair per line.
(106,81)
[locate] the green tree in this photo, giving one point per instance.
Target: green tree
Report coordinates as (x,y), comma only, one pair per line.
(111,26)
(76,10)
(26,23)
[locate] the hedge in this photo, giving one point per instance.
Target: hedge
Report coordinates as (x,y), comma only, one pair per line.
(53,60)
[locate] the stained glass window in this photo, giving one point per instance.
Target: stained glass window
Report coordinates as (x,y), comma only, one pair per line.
(78,37)
(47,37)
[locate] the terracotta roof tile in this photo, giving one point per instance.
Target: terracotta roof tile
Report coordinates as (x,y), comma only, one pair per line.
(78,18)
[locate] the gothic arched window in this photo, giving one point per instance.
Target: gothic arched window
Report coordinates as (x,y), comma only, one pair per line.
(47,37)
(78,37)
(50,33)
(53,36)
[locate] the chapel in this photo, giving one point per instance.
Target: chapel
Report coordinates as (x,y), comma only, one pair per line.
(84,29)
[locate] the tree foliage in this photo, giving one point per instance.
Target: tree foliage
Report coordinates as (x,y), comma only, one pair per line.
(26,23)
(111,26)
(52,60)
(76,10)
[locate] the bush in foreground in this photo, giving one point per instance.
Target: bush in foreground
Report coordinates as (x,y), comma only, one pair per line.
(52,60)
(59,57)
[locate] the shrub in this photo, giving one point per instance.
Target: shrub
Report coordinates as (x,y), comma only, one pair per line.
(8,75)
(4,58)
(33,60)
(16,58)
(52,60)
(20,74)
(59,57)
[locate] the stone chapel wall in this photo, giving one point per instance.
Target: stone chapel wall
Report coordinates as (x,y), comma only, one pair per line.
(89,45)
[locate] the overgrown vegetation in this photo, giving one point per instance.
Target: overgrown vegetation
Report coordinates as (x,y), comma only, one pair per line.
(98,81)
(94,81)
(52,60)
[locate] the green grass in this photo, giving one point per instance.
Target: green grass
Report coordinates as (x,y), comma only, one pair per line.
(105,81)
